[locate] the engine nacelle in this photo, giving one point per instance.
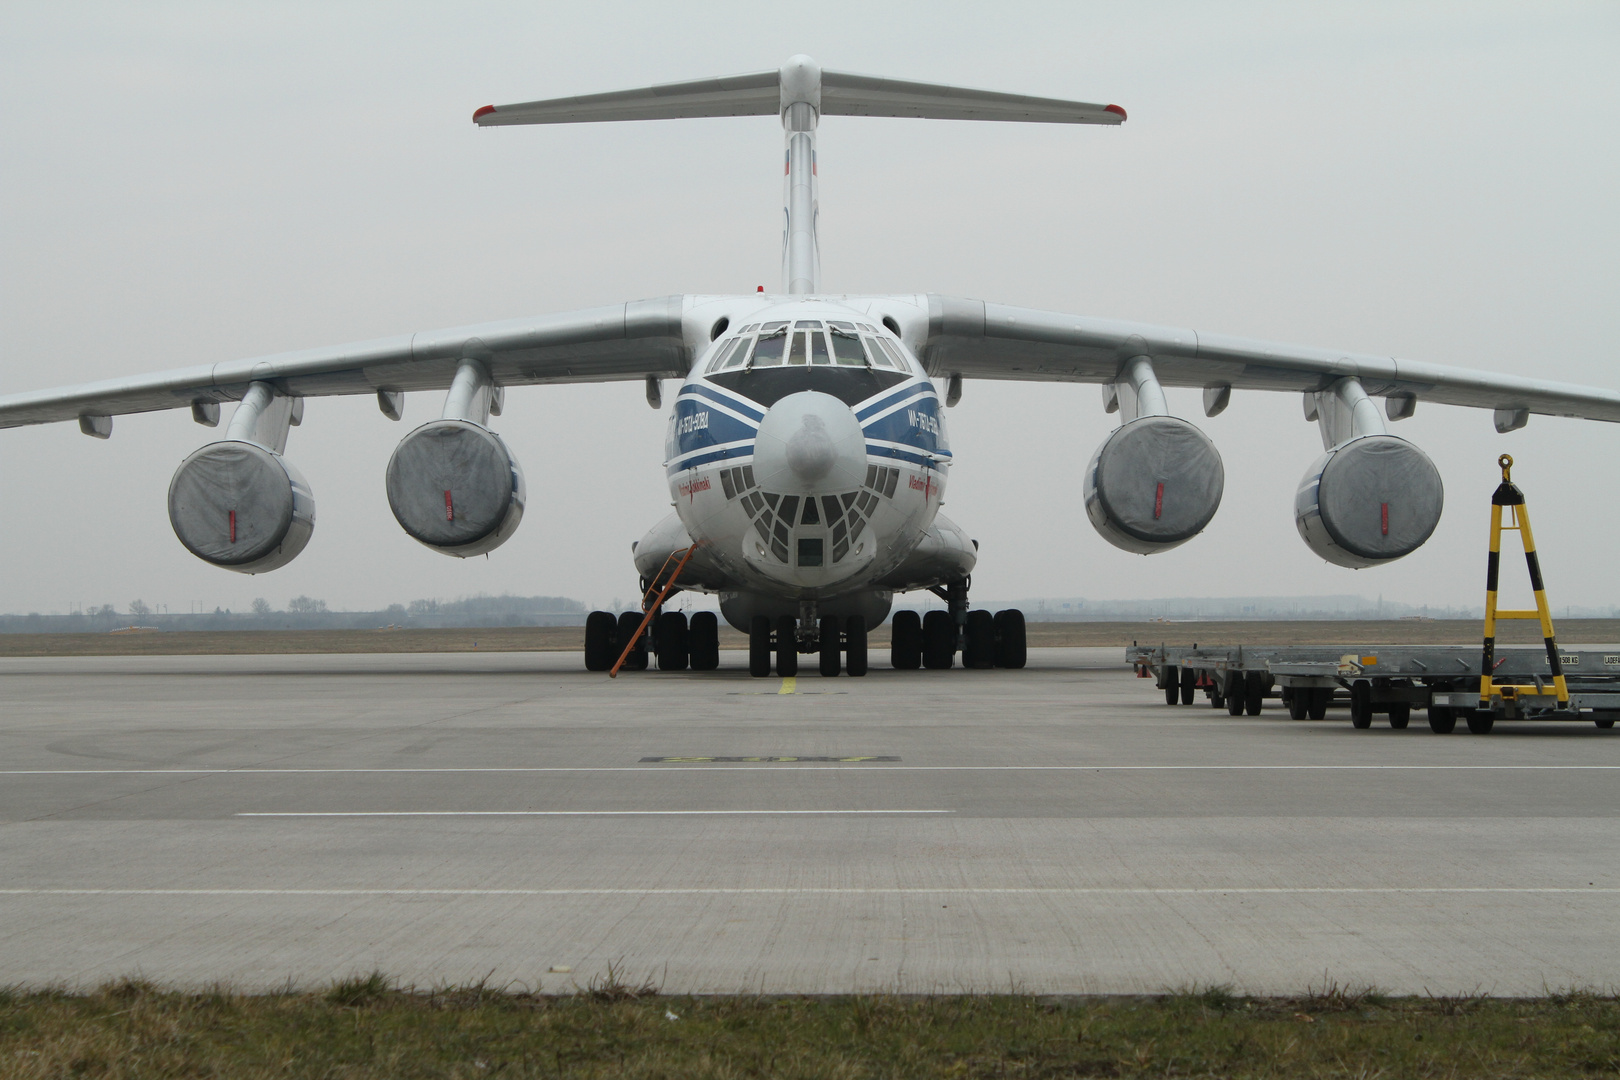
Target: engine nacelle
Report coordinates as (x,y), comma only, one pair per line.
(454,486)
(1153,484)
(1368,501)
(241,506)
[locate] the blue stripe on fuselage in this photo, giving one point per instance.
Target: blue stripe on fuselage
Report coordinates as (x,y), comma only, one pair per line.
(916,425)
(700,426)
(730,401)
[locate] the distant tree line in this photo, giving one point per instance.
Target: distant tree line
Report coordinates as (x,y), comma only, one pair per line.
(311,613)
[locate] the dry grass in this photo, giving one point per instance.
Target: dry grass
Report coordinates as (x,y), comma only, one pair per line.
(364,1028)
(569,638)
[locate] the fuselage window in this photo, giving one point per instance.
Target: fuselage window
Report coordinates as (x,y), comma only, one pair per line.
(810,551)
(811,514)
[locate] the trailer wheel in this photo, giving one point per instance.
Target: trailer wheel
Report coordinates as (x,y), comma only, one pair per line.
(1296,703)
(1400,714)
(1189,685)
(1361,704)
(1172,685)
(1235,694)
(1604,723)
(1442,719)
(1317,702)
(1254,692)
(1480,721)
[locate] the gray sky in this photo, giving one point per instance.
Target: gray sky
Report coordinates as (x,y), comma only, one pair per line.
(185,183)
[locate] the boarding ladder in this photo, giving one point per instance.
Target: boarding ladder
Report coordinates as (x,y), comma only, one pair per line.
(651,605)
(1508,496)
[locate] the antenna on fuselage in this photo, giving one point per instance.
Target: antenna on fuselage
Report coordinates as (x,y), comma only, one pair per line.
(800,92)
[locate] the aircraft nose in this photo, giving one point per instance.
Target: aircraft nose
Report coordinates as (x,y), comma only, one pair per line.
(810,443)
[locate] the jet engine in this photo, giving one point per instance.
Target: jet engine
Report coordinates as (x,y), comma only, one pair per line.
(1368,501)
(241,506)
(1153,484)
(454,486)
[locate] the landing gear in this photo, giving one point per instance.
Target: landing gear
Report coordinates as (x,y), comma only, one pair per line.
(599,636)
(703,641)
(829,646)
(1010,649)
(671,640)
(905,645)
(938,640)
(855,645)
(629,623)
(759,647)
(787,647)
(979,640)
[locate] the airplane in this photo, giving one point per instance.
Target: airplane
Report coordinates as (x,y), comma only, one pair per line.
(806,450)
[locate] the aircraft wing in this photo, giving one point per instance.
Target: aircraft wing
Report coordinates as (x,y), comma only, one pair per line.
(993,341)
(625,341)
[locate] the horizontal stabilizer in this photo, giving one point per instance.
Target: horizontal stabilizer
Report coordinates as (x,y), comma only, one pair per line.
(763,94)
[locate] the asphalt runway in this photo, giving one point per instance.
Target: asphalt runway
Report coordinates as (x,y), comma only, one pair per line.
(443,818)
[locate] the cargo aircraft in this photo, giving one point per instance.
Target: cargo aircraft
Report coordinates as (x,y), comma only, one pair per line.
(806,452)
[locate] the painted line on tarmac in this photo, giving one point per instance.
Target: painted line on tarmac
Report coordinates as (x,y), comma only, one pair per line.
(861,765)
(855,891)
(552,813)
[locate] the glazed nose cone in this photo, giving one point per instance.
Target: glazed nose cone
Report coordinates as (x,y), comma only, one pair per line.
(810,443)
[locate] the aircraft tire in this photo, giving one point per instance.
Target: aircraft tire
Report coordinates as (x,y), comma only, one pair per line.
(1442,719)
(1480,721)
(1189,685)
(979,640)
(600,627)
(759,646)
(629,623)
(672,641)
(1316,702)
(1172,686)
(831,654)
(1400,714)
(855,645)
(703,641)
(1011,648)
(787,647)
(939,640)
(905,644)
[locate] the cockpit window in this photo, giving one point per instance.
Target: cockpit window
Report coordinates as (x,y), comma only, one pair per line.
(797,355)
(895,355)
(768,353)
(818,349)
(808,324)
(847,346)
(879,358)
(724,353)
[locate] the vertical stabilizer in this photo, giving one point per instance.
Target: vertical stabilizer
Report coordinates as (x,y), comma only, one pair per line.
(801,109)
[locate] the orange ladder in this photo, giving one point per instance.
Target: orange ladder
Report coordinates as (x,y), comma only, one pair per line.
(663,594)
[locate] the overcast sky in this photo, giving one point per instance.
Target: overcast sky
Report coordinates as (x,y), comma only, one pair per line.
(187,183)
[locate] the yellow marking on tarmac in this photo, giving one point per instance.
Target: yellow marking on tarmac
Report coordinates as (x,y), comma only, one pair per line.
(788,685)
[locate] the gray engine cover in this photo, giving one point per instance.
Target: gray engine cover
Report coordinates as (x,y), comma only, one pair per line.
(454,486)
(240,506)
(1154,483)
(1368,501)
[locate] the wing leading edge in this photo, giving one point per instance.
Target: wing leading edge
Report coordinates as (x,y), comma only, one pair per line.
(978,340)
(622,342)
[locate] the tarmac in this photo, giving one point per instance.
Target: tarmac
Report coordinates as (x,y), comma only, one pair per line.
(264,820)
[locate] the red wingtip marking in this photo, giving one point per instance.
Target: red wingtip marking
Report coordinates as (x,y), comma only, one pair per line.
(1115,109)
(487,109)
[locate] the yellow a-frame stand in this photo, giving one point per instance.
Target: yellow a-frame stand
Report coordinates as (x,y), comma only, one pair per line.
(1509,496)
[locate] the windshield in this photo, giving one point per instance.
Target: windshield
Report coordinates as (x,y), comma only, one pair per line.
(808,343)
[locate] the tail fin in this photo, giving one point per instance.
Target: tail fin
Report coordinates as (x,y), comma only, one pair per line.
(801,93)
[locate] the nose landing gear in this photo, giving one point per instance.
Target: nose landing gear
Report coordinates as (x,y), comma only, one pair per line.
(833,639)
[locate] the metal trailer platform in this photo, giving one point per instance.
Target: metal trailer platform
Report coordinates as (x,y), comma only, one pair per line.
(1391,680)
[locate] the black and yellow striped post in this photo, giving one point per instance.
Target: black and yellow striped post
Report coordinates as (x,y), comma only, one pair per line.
(1509,496)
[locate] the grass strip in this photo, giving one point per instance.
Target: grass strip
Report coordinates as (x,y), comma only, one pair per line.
(365,1027)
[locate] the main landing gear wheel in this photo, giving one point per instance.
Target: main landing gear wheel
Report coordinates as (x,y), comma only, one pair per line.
(1361,705)
(1011,650)
(905,646)
(855,645)
(599,636)
(829,646)
(1480,721)
(1400,714)
(1172,685)
(787,647)
(1442,719)
(671,641)
(939,640)
(629,623)
(703,641)
(759,646)
(979,640)
(1189,685)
